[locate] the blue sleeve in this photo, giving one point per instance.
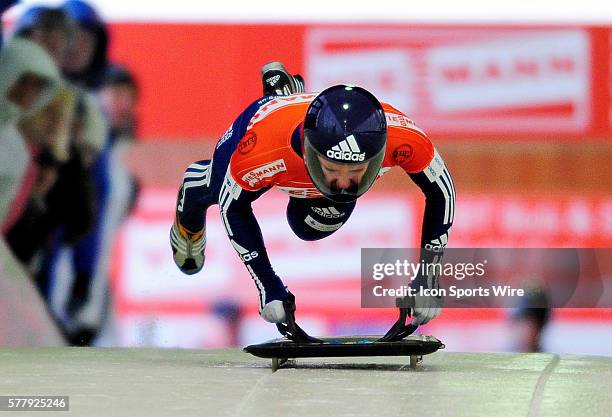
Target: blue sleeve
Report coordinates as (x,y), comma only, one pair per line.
(246,238)
(240,223)
(437,185)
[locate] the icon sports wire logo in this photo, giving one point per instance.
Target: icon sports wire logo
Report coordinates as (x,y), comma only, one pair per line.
(347,150)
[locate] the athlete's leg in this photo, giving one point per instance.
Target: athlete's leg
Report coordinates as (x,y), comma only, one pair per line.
(316,218)
(200,189)
(187,236)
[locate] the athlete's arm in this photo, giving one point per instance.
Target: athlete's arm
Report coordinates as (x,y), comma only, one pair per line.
(245,236)
(410,148)
(437,185)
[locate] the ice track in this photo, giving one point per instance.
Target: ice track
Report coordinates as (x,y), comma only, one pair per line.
(142,382)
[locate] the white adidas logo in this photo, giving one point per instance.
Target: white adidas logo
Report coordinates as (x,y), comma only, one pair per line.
(328,212)
(347,150)
(273,80)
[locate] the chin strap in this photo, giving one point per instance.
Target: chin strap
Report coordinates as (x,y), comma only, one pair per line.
(400,329)
(290,329)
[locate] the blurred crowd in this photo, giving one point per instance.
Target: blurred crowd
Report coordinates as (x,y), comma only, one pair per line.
(67,118)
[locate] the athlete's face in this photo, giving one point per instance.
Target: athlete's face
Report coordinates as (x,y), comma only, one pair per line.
(343,176)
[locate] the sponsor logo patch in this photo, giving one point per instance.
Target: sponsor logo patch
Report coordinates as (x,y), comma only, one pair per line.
(402,154)
(265,171)
(247,144)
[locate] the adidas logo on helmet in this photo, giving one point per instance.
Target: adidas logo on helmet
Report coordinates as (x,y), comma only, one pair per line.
(347,150)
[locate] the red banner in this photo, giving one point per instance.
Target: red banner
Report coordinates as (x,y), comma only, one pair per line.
(492,81)
(148,280)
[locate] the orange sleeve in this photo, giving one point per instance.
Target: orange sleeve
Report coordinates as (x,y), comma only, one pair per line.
(407,146)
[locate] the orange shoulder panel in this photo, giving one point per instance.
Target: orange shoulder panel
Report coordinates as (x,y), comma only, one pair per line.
(264,156)
(407,145)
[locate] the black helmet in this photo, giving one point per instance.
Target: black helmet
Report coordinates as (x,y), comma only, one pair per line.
(344,124)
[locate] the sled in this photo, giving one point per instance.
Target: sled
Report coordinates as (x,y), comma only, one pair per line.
(284,351)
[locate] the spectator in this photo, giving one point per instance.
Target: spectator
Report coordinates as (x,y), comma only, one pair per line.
(54,30)
(530,318)
(46,135)
(86,61)
(79,234)
(119,97)
(51,28)
(62,217)
(85,67)
(115,193)
(28,80)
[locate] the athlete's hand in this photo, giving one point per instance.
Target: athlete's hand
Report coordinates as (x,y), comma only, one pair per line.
(426,308)
(421,307)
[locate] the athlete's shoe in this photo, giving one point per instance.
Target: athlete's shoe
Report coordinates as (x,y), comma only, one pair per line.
(187,248)
(278,82)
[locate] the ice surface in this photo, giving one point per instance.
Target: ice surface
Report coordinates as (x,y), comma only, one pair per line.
(153,382)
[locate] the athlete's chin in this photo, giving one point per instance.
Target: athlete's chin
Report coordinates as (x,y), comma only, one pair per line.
(342,198)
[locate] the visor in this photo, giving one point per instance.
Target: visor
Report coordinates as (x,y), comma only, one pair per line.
(313,166)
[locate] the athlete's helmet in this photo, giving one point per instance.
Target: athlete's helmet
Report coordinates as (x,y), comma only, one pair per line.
(344,124)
